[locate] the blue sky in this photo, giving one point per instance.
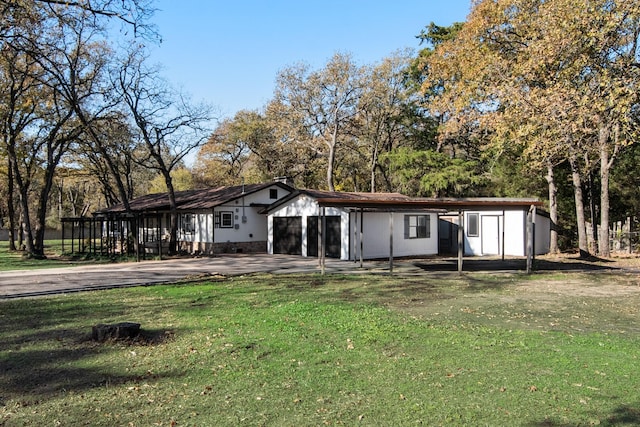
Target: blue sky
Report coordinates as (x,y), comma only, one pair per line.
(228,53)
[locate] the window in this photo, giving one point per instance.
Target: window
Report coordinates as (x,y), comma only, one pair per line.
(224,219)
(417,226)
(186,223)
(273,193)
(472,224)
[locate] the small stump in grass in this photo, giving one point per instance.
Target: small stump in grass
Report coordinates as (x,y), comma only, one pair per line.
(116,331)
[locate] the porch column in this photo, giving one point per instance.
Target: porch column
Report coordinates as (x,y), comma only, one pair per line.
(323,226)
(503,223)
(391,242)
(159,234)
(361,232)
(460,240)
(63,235)
(530,239)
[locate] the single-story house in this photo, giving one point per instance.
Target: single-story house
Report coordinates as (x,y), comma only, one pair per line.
(278,219)
(210,221)
(380,225)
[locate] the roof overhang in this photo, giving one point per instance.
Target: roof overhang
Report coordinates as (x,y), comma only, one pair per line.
(443,205)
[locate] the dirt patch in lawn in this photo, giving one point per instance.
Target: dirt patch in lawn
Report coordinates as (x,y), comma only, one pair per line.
(605,299)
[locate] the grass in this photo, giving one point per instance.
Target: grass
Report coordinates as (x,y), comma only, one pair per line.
(545,350)
(55,258)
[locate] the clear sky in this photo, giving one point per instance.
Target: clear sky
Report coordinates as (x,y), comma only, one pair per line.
(228,52)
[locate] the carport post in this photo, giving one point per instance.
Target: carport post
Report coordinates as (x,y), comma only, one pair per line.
(503,223)
(323,225)
(361,231)
(391,242)
(460,240)
(530,238)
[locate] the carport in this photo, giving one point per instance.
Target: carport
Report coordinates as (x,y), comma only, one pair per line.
(357,206)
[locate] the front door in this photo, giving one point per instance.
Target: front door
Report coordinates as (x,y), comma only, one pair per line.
(490,235)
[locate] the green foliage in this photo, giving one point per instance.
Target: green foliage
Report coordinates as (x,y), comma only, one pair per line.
(432,174)
(182,179)
(434,35)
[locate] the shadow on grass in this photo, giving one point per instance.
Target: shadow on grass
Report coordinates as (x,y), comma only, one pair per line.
(36,374)
(46,348)
(624,415)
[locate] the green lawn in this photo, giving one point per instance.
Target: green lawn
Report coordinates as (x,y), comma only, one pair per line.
(55,257)
(497,350)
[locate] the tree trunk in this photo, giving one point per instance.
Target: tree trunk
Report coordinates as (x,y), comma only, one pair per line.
(41,214)
(23,195)
(605,165)
(579,200)
(173,209)
(374,164)
(332,158)
(553,209)
(11,209)
(592,240)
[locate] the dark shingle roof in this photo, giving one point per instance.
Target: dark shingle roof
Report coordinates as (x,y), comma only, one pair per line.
(207,198)
(397,201)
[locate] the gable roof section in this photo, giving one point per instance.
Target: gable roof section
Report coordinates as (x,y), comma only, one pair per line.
(192,199)
(340,198)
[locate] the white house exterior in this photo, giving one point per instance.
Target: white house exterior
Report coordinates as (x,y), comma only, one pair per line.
(365,226)
(495,232)
(350,233)
(210,221)
(229,225)
(278,219)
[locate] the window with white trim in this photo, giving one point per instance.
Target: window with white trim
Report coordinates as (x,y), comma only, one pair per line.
(417,226)
(473,224)
(187,225)
(224,219)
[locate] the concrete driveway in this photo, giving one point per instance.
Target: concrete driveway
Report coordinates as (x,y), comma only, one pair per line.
(23,283)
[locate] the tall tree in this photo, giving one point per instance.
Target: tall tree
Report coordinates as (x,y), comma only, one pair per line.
(323,102)
(57,47)
(225,157)
(554,75)
(165,122)
(381,124)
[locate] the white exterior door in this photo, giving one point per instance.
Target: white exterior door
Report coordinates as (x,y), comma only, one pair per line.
(490,235)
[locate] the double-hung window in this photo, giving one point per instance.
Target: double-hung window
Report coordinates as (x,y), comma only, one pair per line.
(224,219)
(187,223)
(417,226)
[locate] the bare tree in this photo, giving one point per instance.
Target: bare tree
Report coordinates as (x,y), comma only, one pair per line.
(165,122)
(323,102)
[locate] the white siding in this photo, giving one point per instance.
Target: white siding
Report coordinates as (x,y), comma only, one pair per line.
(376,239)
(543,234)
(515,237)
(304,206)
(512,233)
(248,224)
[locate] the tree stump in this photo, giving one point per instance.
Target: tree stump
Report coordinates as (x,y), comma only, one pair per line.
(116,331)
